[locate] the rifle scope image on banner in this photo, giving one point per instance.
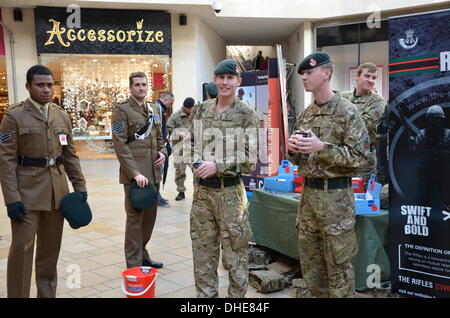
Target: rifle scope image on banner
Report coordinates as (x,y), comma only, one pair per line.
(419,154)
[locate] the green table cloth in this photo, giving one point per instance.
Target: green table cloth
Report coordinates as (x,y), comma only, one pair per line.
(273,217)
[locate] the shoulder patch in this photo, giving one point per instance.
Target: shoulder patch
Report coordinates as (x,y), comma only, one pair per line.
(5,136)
(118,127)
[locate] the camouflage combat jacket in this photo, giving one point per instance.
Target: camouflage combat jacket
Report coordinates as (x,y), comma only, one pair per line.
(339,125)
(229,138)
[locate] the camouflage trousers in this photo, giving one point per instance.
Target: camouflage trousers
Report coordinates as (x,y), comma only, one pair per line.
(220,217)
(180,176)
(327,241)
(367,168)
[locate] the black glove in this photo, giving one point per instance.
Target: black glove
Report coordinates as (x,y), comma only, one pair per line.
(84,196)
(16,211)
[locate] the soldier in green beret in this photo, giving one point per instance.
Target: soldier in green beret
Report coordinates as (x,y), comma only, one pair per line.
(371,106)
(219,214)
(330,142)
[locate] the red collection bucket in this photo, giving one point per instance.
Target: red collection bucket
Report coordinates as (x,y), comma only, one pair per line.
(139,282)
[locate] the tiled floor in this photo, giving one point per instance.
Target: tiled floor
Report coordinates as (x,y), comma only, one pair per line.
(97,250)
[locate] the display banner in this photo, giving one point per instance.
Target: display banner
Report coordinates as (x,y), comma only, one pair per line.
(100,31)
(419,154)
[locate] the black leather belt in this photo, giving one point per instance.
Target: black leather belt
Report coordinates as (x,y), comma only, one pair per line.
(40,162)
(333,183)
(217,182)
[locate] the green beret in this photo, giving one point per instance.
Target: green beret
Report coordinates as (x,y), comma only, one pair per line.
(211,89)
(313,60)
(143,198)
(227,67)
(75,211)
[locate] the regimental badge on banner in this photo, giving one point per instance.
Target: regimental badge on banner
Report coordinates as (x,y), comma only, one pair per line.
(4,137)
(118,127)
(410,41)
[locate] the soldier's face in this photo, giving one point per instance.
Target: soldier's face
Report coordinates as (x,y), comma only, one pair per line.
(187,110)
(366,80)
(139,88)
(227,84)
(315,78)
(41,88)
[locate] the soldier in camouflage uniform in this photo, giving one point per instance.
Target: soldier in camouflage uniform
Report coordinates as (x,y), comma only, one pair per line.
(336,141)
(177,127)
(219,214)
(371,106)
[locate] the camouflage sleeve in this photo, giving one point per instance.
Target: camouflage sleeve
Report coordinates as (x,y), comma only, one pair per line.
(119,125)
(8,159)
(371,116)
(171,124)
(246,155)
(196,147)
(354,148)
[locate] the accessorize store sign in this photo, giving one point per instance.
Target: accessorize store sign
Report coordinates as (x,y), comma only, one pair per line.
(100,31)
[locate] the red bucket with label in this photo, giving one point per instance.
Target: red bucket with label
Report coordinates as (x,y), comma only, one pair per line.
(139,282)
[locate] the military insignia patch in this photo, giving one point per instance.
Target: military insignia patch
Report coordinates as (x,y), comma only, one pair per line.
(312,62)
(4,137)
(118,127)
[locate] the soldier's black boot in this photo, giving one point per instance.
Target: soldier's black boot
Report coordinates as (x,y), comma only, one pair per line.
(152,263)
(180,196)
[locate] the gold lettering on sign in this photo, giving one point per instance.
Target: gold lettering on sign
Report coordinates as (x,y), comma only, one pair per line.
(56,31)
(102,35)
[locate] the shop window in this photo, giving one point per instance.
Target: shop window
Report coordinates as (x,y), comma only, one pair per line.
(87,86)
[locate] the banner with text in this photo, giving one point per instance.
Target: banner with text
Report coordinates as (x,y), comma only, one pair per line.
(419,154)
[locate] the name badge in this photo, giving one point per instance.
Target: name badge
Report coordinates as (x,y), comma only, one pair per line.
(63,139)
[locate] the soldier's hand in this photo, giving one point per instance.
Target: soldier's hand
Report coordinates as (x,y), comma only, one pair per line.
(160,161)
(293,144)
(206,170)
(141,180)
(309,144)
(16,211)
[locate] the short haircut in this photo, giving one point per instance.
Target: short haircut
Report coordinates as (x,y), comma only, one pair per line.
(37,70)
(166,95)
(136,74)
(329,66)
(372,68)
